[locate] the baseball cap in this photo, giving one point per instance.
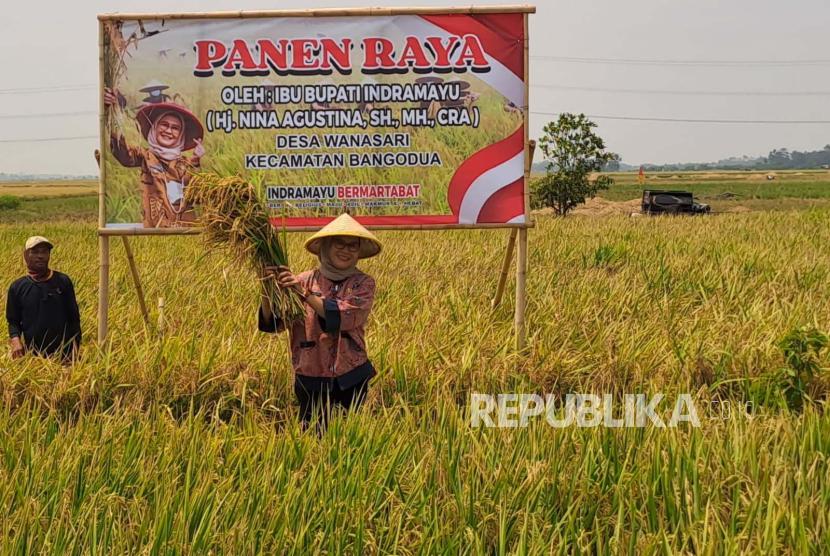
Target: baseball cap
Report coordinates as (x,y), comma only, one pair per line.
(34,241)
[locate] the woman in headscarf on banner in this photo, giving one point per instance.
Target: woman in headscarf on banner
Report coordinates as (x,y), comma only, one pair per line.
(328,348)
(170,130)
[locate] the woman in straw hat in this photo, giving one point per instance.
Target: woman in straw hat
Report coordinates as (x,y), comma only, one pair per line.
(169,130)
(328,348)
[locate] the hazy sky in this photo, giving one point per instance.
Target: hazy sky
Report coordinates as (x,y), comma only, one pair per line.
(54,43)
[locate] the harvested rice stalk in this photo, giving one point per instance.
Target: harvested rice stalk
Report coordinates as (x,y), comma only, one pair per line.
(232,215)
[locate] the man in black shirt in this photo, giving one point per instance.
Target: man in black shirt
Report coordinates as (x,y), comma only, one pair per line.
(41,309)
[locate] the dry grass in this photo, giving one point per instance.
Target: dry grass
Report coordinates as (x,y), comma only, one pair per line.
(604,208)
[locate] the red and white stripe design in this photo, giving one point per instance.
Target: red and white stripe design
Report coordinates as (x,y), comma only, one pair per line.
(489,186)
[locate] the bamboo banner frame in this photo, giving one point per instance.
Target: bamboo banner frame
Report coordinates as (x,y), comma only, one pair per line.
(324,12)
(511,243)
(521,259)
(518,230)
(406,227)
(103,241)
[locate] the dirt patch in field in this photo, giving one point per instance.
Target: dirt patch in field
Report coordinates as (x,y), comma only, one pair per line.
(714,176)
(602,208)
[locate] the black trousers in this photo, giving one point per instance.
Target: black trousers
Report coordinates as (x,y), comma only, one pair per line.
(323,402)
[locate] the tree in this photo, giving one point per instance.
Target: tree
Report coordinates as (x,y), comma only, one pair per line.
(780,159)
(574,154)
(613,165)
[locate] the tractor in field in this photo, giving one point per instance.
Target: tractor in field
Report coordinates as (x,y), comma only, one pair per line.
(656,201)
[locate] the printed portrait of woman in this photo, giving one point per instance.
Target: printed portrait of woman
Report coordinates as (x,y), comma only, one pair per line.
(170,130)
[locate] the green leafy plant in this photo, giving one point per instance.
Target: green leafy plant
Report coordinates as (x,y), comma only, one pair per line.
(575,155)
(801,348)
(10,202)
(604,256)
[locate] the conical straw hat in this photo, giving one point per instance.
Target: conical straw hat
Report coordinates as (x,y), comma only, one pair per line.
(153,85)
(345,225)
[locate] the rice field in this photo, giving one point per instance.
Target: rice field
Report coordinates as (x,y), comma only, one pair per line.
(38,190)
(724,191)
(733,186)
(183,440)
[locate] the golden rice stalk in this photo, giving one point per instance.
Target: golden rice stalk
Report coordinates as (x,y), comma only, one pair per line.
(232,215)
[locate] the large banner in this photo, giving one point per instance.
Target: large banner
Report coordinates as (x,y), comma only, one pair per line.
(399,120)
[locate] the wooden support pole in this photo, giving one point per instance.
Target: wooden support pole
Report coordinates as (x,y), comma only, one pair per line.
(133,268)
(161,315)
(103,286)
(136,280)
(521,262)
(521,299)
(505,268)
(103,241)
(511,243)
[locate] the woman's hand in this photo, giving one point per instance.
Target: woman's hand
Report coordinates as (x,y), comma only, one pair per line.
(110,96)
(269,273)
(286,279)
(283,276)
(199,151)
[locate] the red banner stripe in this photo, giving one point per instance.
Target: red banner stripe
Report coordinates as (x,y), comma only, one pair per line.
(480,162)
(370,220)
(505,204)
(501,35)
(511,27)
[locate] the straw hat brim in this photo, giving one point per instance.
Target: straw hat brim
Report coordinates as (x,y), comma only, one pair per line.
(345,225)
(153,88)
(153,85)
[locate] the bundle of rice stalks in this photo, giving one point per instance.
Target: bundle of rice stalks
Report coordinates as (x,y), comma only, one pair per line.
(115,48)
(232,215)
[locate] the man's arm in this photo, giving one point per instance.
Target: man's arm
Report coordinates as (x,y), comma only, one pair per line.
(14,317)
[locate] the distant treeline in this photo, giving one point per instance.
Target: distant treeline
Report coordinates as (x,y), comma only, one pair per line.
(777,159)
(43,177)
